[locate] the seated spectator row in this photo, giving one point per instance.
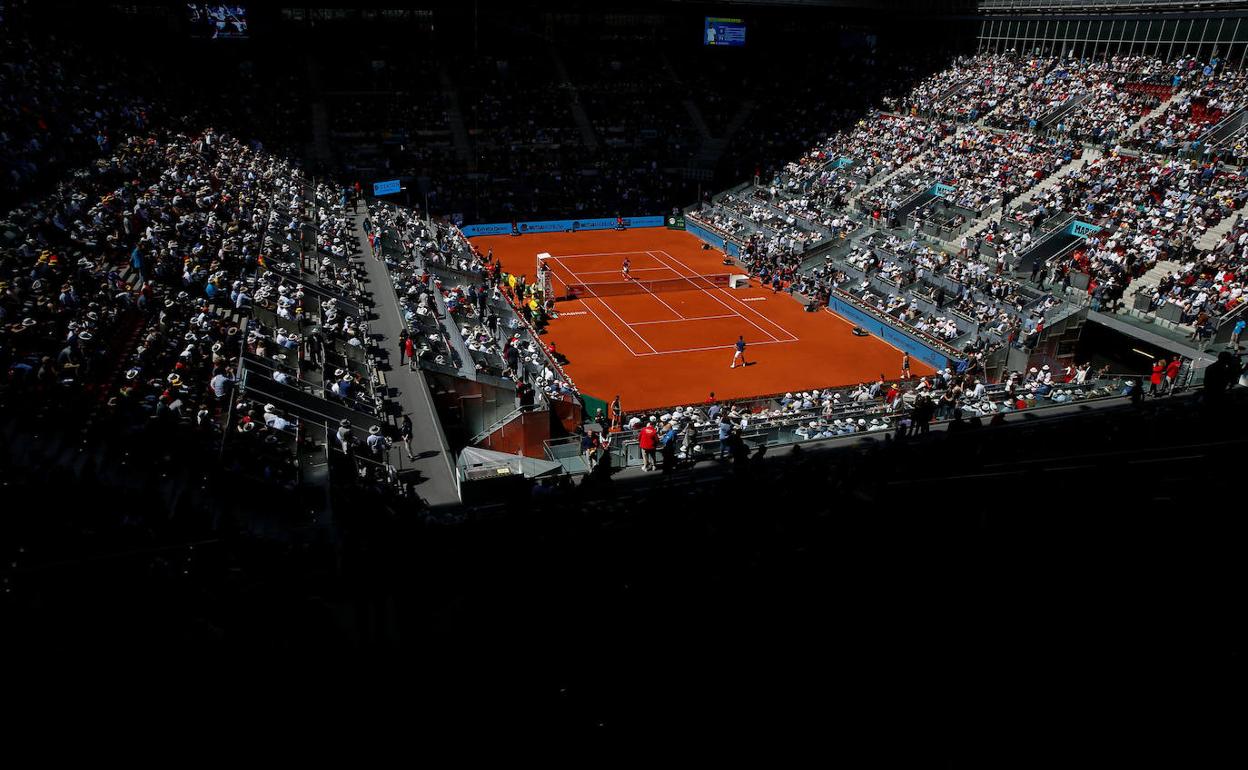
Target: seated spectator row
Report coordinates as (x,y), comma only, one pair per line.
(703,431)
(879,144)
(178,277)
(1086,98)
(972,87)
(446,288)
(1149,209)
(1207,288)
(944,298)
(1212,97)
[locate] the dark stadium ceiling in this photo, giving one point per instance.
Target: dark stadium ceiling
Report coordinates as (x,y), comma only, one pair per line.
(607,6)
(911,8)
(922,7)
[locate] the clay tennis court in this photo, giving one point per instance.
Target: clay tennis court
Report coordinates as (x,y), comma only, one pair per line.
(668,339)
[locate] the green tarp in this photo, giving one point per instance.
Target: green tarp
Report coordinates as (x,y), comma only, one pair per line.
(592,405)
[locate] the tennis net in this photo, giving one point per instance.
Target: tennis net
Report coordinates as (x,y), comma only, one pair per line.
(617,288)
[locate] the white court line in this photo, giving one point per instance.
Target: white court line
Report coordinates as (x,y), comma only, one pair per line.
(686,318)
(734,313)
(712,347)
(598,254)
(608,328)
(636,334)
(727,293)
(617,271)
(734,299)
(717,299)
(679,315)
(612,311)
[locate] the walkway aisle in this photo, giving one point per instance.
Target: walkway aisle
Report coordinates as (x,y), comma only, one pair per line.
(436,483)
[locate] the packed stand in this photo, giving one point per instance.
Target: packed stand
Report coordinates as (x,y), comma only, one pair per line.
(840,85)
(1150,209)
(1215,93)
(442,281)
(1049,92)
(113,283)
(972,87)
(1208,287)
(983,165)
(879,144)
(388,115)
(57,112)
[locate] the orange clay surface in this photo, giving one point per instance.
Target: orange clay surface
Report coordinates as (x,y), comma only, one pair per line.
(674,347)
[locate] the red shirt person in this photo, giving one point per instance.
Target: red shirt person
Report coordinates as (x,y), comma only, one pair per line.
(1172,369)
(1154,386)
(649,441)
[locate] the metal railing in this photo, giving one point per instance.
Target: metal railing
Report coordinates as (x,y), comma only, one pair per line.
(625,451)
(1226,323)
(498,423)
(467,365)
(940,346)
(1048,235)
(1059,113)
(385,469)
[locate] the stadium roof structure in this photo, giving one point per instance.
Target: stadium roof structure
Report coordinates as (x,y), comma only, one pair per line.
(1109,5)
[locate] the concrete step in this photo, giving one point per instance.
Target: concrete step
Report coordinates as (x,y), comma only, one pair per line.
(589,137)
(455,116)
(739,119)
(1137,125)
(1090,155)
(695,117)
(981,225)
(907,166)
(1214,234)
(1158,271)
(320,132)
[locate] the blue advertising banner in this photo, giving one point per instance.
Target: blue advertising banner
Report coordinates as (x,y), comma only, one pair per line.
(387,187)
(1082,229)
(890,334)
(561,226)
(499,228)
(726,246)
(556,226)
(943,190)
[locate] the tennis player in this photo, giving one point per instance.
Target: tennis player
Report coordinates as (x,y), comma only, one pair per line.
(739,354)
(625,267)
(617,414)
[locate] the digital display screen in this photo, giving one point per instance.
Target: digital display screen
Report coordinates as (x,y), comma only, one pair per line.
(387,187)
(726,32)
(217,21)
